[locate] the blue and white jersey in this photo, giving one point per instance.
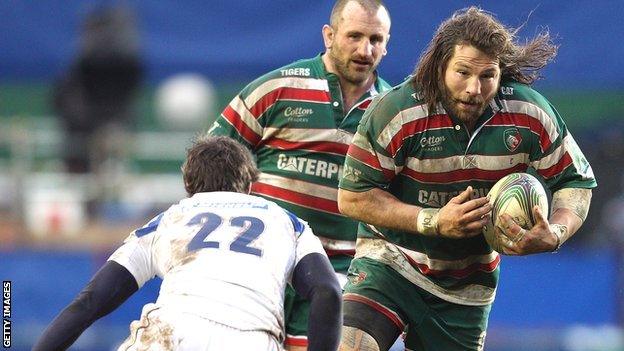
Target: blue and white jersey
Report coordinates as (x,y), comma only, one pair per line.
(223,256)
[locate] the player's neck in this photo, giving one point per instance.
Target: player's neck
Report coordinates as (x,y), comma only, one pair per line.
(351,93)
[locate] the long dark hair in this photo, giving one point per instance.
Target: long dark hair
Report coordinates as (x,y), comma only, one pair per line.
(476,27)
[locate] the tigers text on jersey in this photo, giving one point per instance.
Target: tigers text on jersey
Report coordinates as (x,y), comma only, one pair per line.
(293,120)
(223,256)
(426,158)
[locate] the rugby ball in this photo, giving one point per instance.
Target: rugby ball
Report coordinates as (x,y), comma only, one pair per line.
(515,194)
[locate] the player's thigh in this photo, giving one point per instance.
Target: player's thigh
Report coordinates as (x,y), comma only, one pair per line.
(374,303)
(449,326)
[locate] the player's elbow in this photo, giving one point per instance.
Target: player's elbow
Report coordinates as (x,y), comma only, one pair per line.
(328,293)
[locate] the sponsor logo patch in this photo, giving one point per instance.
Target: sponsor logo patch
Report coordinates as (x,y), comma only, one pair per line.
(297,112)
(441,198)
(299,71)
(432,143)
(507,90)
(309,166)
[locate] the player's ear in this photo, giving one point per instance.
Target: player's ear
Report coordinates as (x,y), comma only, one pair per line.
(328,36)
(385,49)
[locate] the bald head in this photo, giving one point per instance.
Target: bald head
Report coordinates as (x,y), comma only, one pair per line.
(356,40)
(373,7)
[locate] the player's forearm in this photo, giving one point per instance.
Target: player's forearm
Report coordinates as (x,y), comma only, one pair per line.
(567,218)
(65,328)
(569,209)
(110,287)
(577,200)
(379,208)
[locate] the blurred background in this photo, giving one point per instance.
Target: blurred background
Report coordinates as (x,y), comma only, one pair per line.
(99,99)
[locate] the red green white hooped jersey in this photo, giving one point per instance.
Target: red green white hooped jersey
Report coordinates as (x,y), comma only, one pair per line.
(293,120)
(427,158)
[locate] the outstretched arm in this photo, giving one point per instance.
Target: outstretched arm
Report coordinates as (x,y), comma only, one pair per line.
(314,279)
(109,288)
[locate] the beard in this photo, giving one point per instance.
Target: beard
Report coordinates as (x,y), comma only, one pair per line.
(466,109)
(352,74)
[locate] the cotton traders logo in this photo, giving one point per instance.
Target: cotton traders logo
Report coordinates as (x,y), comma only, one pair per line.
(512,138)
(298,114)
(432,143)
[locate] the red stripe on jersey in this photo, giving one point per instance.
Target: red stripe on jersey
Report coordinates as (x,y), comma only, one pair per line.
(296,198)
(456,273)
(556,169)
(330,252)
(417,126)
(463,175)
(365,104)
(370,160)
(299,340)
(377,307)
(286,93)
(321,146)
(237,122)
(521,120)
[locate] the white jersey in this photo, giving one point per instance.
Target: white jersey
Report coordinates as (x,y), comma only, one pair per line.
(222,256)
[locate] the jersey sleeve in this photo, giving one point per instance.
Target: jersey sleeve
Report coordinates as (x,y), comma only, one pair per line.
(137,252)
(241,118)
(557,157)
(375,154)
(306,241)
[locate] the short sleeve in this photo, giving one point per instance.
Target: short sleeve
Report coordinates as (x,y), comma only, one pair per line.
(375,154)
(136,254)
(306,241)
(558,158)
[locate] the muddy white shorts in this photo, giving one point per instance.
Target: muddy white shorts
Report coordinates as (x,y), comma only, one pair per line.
(160,329)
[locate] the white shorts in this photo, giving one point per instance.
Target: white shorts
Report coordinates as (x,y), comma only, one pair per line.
(162,329)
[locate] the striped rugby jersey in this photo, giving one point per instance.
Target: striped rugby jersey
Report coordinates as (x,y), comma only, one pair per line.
(425,159)
(292,119)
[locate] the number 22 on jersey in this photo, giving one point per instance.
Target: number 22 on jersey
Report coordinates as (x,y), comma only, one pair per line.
(250,229)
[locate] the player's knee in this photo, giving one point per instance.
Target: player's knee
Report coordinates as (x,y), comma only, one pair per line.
(332,293)
(355,339)
(296,348)
(371,324)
